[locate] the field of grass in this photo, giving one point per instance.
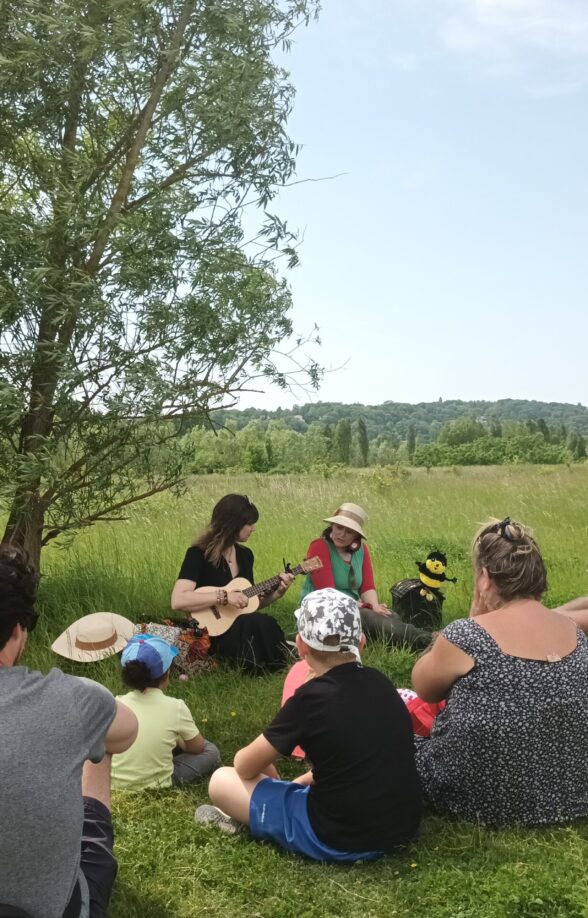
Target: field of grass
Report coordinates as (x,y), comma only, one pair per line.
(171,867)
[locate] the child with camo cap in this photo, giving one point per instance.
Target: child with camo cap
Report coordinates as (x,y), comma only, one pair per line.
(361,797)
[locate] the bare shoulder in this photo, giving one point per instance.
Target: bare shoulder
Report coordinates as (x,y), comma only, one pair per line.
(437,670)
(444,651)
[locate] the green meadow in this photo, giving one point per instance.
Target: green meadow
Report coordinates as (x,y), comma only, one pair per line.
(168,866)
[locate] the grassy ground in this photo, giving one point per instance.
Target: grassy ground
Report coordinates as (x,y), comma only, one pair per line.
(171,867)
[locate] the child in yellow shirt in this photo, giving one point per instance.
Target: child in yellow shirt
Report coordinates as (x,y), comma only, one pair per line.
(169,749)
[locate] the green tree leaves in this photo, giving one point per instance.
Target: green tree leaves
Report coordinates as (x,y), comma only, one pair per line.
(133,137)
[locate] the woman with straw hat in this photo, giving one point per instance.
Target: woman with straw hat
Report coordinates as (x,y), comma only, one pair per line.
(347,567)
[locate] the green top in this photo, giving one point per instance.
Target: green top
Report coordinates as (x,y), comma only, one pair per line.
(346,577)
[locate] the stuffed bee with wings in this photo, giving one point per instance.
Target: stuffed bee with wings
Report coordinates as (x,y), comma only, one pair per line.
(420,602)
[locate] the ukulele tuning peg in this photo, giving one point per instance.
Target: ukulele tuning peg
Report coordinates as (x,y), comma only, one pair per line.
(287,566)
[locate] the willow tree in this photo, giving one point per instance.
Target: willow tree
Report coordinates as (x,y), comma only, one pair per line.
(133,135)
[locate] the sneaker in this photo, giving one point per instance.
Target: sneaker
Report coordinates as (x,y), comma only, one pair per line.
(212,816)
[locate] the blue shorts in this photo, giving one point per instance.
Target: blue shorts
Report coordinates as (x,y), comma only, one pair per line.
(279,812)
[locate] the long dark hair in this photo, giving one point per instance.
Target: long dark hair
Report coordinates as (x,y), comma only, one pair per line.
(232,512)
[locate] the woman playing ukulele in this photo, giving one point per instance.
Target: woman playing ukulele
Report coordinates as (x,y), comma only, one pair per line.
(254,641)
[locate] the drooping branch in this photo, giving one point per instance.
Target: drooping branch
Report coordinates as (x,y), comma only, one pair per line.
(106,514)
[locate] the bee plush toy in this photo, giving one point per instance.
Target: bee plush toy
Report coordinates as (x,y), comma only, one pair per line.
(420,602)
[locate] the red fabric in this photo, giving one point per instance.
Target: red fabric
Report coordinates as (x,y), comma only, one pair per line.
(297,676)
(324,577)
(367,572)
(423,714)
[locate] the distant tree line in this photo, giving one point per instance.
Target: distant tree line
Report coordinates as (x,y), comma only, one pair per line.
(395,419)
(469,442)
(273,446)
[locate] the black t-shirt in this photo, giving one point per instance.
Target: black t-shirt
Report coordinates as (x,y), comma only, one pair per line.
(197,568)
(357,732)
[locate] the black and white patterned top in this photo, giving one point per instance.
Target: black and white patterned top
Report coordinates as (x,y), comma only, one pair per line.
(511,746)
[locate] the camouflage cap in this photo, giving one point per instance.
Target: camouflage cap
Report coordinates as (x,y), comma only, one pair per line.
(330,620)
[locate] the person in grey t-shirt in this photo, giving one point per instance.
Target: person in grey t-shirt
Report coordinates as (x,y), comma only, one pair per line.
(58,735)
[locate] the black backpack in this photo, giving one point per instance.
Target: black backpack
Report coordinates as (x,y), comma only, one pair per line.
(417,604)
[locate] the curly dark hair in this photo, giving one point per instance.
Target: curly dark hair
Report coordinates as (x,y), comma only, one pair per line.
(18,591)
(136,675)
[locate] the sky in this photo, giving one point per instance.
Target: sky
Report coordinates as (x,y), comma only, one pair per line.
(448,258)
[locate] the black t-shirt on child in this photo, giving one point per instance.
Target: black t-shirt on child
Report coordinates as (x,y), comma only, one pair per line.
(358,734)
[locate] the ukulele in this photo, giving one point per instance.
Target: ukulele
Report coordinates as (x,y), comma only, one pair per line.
(218,619)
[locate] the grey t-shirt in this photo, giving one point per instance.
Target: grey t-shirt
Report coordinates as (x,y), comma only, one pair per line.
(49,726)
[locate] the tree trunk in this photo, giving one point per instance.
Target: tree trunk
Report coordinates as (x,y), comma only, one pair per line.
(25,524)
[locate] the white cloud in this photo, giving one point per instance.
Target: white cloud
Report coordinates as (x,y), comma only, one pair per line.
(557,26)
(544,41)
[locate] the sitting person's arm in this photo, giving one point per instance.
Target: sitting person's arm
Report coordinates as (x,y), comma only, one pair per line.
(577,610)
(110,727)
(184,599)
(305,779)
(368,594)
(122,732)
(255,759)
(193,574)
(194,746)
(189,738)
(439,668)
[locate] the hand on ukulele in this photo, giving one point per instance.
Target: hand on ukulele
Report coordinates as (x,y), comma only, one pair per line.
(285,581)
(238,599)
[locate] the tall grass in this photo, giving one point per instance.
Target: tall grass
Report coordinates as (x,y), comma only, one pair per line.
(130,566)
(171,867)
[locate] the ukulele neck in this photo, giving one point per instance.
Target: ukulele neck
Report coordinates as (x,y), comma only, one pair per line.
(270,585)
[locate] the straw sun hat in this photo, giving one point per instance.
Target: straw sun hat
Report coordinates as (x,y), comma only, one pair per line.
(94,637)
(350,515)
